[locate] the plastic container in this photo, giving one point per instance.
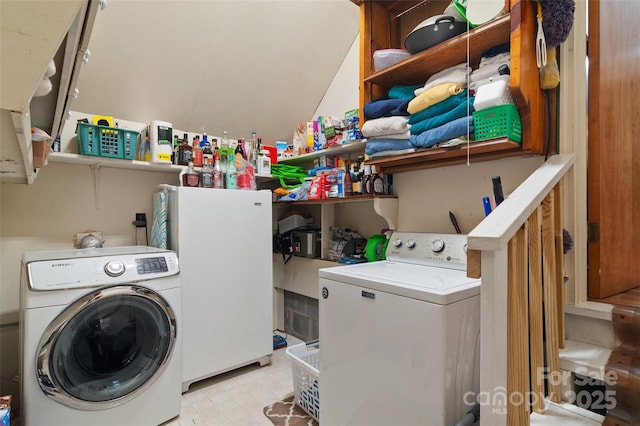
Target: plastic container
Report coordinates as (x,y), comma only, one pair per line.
(293,222)
(305,361)
(103,141)
(493,93)
(496,122)
(384,58)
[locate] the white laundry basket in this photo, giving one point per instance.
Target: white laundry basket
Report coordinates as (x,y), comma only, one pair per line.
(305,361)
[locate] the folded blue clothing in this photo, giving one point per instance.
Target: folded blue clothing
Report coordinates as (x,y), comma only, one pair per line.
(463,109)
(377,145)
(403,92)
(439,108)
(385,108)
(450,130)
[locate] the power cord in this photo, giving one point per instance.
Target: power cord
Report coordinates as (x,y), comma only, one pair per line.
(141,222)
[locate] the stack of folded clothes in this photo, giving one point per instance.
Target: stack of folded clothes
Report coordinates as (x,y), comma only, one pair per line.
(441,110)
(490,63)
(387,125)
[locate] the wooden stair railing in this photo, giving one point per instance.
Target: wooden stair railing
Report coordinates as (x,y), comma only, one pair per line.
(518,250)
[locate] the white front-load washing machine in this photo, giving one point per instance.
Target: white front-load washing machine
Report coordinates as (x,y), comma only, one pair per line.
(100,337)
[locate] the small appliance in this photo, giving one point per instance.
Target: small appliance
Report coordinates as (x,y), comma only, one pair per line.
(160,135)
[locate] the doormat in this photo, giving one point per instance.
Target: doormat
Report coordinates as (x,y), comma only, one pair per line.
(287,413)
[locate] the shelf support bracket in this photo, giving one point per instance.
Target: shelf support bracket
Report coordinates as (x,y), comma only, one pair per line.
(387,208)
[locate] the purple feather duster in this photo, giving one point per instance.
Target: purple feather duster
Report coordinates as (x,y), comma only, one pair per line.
(557,20)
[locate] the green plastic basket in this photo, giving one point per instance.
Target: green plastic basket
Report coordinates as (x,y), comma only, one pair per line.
(497,122)
(104,141)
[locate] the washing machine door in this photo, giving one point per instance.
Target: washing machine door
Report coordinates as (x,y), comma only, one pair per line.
(106,347)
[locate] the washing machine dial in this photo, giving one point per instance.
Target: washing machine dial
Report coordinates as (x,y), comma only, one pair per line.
(437,245)
(411,244)
(397,242)
(114,268)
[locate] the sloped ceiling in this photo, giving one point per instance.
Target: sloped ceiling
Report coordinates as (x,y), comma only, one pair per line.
(213,65)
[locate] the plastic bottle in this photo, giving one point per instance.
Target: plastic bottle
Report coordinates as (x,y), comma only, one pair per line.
(231,174)
(217,174)
(224,151)
(191,177)
(264,163)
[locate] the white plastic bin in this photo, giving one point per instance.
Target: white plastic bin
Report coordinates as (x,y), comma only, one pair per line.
(305,361)
(384,58)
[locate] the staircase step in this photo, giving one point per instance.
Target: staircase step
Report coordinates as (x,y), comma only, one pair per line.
(584,358)
(565,415)
(623,367)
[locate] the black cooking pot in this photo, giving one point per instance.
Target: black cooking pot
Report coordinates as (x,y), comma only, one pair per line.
(432,31)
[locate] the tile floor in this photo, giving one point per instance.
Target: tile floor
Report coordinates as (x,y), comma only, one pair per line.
(238,397)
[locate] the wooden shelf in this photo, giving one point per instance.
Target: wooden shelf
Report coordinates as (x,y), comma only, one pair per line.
(353,199)
(438,157)
(417,68)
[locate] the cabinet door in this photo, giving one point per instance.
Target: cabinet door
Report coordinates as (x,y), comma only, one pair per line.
(614,160)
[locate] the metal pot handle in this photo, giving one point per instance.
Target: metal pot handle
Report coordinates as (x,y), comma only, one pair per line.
(449,19)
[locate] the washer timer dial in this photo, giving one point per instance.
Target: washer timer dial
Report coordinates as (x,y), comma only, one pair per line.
(437,245)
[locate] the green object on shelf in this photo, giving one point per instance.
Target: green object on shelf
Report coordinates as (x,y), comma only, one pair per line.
(498,121)
(376,247)
(286,173)
(104,141)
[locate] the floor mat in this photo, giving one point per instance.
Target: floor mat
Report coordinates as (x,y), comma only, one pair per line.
(286,412)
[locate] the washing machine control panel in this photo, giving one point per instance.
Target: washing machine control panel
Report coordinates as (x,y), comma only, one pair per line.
(94,271)
(425,248)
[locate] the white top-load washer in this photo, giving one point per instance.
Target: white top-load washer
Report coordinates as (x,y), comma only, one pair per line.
(399,338)
(100,334)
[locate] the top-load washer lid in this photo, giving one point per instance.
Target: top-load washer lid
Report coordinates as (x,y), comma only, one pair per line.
(431,284)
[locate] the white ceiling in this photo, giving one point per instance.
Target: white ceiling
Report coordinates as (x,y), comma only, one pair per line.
(213,65)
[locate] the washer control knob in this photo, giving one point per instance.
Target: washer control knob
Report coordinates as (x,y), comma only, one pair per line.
(114,268)
(411,244)
(397,242)
(437,245)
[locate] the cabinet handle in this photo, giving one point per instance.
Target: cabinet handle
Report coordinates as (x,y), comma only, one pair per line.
(76,92)
(86,56)
(103,4)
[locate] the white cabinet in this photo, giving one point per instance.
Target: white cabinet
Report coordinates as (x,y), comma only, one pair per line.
(33,34)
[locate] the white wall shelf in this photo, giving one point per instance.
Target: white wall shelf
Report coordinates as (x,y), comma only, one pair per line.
(354,147)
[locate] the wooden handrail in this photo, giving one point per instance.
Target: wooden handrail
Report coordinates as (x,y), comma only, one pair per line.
(519,251)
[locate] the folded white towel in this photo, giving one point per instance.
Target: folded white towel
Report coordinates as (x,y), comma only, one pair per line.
(455,74)
(385,126)
(488,67)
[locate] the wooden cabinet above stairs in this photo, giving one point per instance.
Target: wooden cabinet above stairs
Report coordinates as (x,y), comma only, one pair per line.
(385,24)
